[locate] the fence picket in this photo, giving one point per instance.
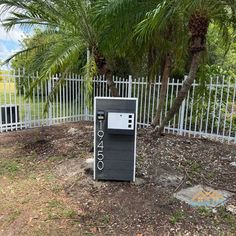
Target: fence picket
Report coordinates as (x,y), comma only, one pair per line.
(107,89)
(70,97)
(200,128)
(19,90)
(145,101)
(61,105)
(195,122)
(10,102)
(171,102)
(221,97)
(176,94)
(191,112)
(226,108)
(153,99)
(232,113)
(158,94)
(67,99)
(141,106)
(139,101)
(186,113)
(5,103)
(16,109)
(149,99)
(208,106)
(64,103)
(25,105)
(214,108)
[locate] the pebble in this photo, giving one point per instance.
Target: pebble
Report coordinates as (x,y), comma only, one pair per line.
(233,163)
(231,209)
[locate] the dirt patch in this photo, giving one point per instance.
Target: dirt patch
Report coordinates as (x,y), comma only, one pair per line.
(45,191)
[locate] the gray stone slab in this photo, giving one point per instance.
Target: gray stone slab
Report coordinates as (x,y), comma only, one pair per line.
(167,179)
(203,196)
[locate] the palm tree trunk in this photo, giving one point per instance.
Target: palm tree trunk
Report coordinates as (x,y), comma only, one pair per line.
(164,86)
(111,84)
(104,70)
(198,27)
(184,90)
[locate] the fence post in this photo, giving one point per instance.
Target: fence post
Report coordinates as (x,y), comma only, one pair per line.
(49,102)
(130,86)
(181,125)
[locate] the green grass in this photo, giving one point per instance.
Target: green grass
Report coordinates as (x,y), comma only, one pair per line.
(9,167)
(105,219)
(70,214)
(58,210)
(177,217)
(204,211)
(13,215)
(227,217)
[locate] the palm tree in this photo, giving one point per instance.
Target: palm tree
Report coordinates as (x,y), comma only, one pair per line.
(195,17)
(66,29)
(171,38)
(198,15)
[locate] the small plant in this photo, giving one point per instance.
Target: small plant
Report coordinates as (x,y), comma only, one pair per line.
(56,188)
(105,219)
(13,215)
(58,210)
(55,158)
(50,177)
(194,166)
(177,217)
(226,217)
(204,211)
(54,204)
(210,175)
(10,167)
(70,213)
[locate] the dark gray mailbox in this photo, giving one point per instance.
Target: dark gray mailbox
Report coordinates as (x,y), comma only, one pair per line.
(115,122)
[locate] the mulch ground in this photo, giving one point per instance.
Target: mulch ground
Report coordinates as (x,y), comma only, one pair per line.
(164,165)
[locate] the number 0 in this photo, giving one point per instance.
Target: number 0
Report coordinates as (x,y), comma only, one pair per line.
(100,165)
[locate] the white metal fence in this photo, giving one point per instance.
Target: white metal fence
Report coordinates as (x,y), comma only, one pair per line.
(208,110)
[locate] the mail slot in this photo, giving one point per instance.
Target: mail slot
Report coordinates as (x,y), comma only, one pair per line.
(115,131)
(120,123)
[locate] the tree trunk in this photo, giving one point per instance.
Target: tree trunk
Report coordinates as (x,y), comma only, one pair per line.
(164,86)
(111,84)
(183,92)
(104,70)
(198,27)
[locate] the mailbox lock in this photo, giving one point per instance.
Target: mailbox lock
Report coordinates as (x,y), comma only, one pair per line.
(101,115)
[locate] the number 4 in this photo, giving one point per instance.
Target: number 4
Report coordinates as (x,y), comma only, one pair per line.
(100,145)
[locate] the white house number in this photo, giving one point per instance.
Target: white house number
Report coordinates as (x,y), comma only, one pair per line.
(100,147)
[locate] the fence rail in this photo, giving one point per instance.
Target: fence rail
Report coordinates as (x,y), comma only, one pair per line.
(208,110)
